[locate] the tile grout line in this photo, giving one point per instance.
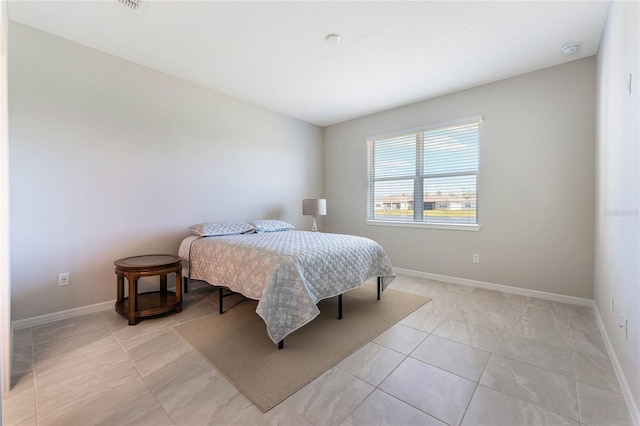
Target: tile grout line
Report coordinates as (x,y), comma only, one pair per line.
(55,358)
(464,414)
(377,387)
(509,333)
(530,403)
(447,316)
(413,406)
(575,381)
(139,374)
(493,353)
(522,400)
(359,404)
(475,389)
(33,371)
(434,366)
(393,396)
(536,366)
(515,397)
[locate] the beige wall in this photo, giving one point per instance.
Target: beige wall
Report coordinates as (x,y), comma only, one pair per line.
(536,183)
(110,159)
(617,241)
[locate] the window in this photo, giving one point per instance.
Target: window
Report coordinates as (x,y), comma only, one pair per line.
(434,168)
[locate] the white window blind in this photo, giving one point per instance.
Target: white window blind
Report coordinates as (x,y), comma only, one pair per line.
(425,175)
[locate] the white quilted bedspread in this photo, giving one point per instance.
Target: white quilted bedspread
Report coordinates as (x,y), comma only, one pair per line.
(288,272)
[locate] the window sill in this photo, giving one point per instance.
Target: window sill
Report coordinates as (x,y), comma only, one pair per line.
(451,227)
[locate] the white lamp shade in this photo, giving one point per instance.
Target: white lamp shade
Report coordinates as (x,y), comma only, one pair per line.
(314,207)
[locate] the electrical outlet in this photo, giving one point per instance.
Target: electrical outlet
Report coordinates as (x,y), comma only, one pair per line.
(476,258)
(623,325)
(63,278)
(630,88)
(612,303)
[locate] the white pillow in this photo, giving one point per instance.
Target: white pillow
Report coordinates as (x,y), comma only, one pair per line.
(272,226)
(216,229)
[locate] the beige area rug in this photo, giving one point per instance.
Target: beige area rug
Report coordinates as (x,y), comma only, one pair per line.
(237,344)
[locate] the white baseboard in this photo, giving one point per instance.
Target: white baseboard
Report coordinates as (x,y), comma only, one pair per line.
(498,287)
(69,313)
(57,316)
(622,380)
(83,310)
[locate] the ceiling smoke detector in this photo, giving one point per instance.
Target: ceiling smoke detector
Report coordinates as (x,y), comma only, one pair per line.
(332,38)
(570,49)
(131,4)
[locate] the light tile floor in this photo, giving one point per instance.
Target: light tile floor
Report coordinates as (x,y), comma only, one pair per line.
(470,356)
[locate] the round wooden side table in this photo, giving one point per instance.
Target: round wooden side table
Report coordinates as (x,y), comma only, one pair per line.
(150,303)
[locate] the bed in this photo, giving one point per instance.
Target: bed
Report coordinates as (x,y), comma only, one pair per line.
(288,272)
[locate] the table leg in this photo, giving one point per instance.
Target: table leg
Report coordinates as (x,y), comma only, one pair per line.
(120,288)
(178,291)
(163,286)
(133,299)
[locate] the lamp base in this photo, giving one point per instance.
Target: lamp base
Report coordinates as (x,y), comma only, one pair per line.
(314,228)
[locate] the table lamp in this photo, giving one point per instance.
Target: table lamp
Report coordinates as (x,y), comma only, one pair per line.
(314,207)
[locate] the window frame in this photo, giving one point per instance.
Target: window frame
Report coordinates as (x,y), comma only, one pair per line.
(370,212)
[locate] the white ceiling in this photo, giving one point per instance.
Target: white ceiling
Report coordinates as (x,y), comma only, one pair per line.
(274,54)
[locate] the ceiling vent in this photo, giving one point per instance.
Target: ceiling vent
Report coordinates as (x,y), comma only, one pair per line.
(134,5)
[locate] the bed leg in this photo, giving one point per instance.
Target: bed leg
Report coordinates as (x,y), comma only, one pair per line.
(220,296)
(340,307)
(281,344)
(379,287)
(185,286)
